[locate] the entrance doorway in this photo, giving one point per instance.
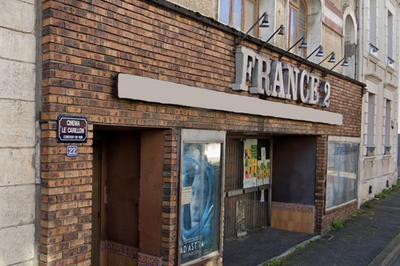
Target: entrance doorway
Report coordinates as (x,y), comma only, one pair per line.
(267,218)
(127,169)
(115,195)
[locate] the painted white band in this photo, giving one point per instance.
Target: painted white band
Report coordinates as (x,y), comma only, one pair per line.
(157,91)
(344,139)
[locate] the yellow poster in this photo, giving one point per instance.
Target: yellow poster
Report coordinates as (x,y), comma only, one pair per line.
(250,163)
(257,164)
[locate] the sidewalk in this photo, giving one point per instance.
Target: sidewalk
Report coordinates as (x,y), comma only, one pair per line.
(362,238)
(264,244)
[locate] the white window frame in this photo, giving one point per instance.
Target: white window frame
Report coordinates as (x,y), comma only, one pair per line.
(391,62)
(349,140)
(372,25)
(387,118)
(370,125)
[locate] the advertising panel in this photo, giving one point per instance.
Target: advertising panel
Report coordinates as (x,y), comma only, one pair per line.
(200,200)
(256,163)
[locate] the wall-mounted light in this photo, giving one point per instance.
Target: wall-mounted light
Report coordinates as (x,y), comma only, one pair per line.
(263,24)
(390,60)
(373,48)
(332,58)
(319,50)
(303,44)
(344,64)
(280,31)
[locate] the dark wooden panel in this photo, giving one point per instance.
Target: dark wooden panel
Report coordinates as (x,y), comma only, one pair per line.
(234,164)
(294,166)
(256,216)
(122,186)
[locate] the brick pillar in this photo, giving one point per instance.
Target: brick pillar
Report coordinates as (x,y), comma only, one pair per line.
(320,182)
(66,200)
(170,199)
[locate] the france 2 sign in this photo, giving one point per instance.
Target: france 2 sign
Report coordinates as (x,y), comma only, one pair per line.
(72,129)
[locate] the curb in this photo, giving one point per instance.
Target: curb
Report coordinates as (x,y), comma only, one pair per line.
(388,254)
(292,249)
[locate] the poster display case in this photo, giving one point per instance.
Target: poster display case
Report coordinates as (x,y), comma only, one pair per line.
(201,181)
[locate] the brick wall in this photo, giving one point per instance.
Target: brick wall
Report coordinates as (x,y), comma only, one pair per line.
(170,184)
(85,45)
(320,183)
(341,213)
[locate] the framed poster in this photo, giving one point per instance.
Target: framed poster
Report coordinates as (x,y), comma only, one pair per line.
(200,196)
(250,163)
(256,163)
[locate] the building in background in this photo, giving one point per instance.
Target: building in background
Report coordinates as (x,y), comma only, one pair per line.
(332,24)
(18,136)
(378,67)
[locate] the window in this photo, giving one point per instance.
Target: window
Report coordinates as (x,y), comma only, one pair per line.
(298,20)
(372,26)
(371,124)
(240,14)
(342,173)
(387,125)
(390,39)
(350,46)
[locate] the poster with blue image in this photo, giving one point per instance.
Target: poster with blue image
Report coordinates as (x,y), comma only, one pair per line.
(200,200)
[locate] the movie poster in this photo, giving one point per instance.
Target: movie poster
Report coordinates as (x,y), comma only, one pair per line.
(200,200)
(250,163)
(256,163)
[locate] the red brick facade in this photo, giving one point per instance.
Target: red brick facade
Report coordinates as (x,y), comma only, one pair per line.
(85,45)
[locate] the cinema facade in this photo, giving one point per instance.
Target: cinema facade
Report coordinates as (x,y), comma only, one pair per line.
(163,137)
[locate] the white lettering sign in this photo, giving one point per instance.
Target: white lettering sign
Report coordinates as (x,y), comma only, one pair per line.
(260,75)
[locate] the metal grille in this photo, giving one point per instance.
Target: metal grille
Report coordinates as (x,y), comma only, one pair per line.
(255,212)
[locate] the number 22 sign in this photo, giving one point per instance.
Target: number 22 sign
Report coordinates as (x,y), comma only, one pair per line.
(72,151)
